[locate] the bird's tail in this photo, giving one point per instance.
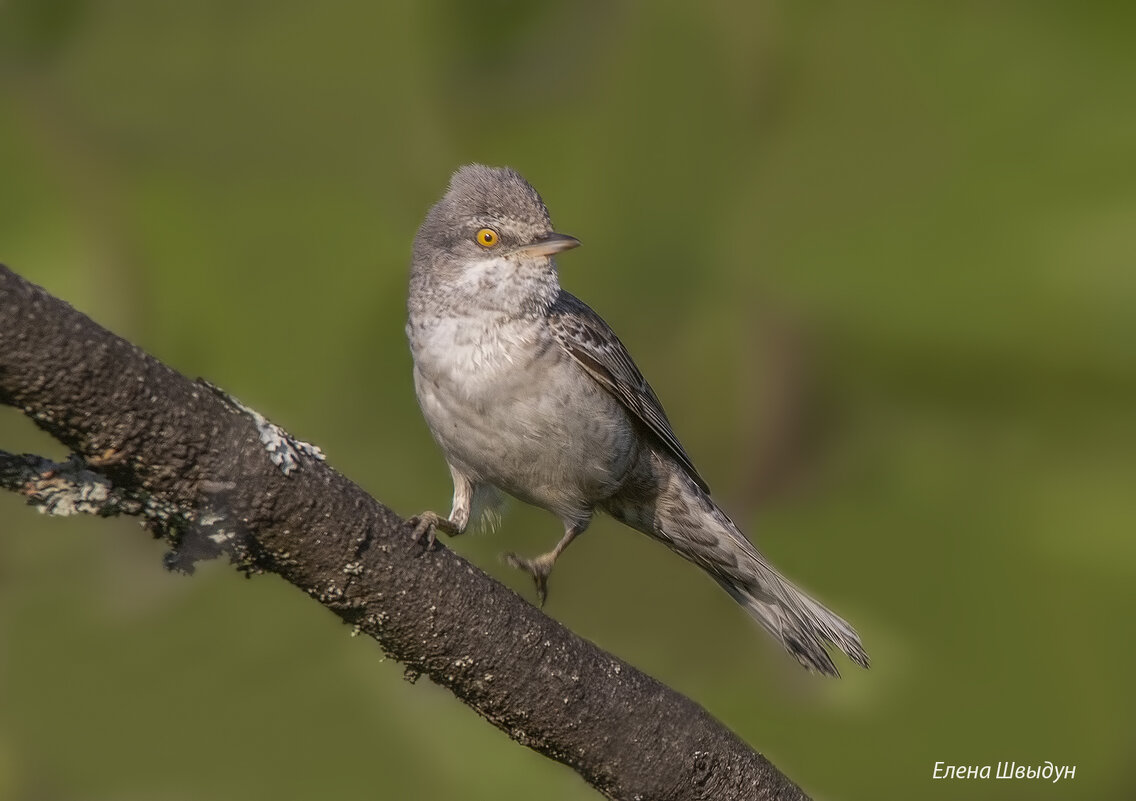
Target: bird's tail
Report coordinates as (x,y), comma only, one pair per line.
(683,517)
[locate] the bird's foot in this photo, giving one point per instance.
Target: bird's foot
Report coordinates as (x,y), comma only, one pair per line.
(428,524)
(539,567)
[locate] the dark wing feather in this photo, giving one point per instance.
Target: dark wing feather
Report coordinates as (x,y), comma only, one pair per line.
(590,341)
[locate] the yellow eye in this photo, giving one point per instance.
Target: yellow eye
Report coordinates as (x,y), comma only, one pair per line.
(487,237)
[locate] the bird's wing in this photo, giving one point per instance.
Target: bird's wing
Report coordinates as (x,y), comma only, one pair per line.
(592,343)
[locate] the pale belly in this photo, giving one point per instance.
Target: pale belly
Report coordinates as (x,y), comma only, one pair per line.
(537,427)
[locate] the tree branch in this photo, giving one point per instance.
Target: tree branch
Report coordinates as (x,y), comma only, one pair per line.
(212,477)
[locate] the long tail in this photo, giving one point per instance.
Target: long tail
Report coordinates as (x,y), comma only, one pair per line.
(685,519)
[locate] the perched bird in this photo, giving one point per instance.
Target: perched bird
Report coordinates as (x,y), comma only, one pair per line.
(530,393)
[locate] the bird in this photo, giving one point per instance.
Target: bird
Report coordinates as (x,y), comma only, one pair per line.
(530,394)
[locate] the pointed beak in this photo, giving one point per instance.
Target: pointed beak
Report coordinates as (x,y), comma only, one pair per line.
(550,245)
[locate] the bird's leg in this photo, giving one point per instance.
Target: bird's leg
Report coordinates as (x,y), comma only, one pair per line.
(428,523)
(540,567)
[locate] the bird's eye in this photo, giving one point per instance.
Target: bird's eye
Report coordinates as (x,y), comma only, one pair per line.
(487,237)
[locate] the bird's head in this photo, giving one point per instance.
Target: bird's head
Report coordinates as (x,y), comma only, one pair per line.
(490,234)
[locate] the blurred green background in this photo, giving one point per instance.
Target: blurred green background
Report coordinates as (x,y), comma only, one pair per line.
(876,258)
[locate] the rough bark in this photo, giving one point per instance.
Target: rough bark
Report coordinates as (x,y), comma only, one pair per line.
(150,442)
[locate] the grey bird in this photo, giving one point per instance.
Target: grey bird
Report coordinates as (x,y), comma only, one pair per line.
(529,393)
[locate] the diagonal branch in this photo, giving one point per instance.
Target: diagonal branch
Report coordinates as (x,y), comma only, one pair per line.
(213,477)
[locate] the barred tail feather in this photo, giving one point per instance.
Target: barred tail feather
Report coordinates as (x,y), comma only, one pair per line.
(801,624)
(683,517)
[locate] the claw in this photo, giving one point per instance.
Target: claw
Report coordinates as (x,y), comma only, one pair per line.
(428,524)
(540,568)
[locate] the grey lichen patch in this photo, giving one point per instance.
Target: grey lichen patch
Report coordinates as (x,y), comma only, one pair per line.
(462,665)
(222,537)
(283,559)
(332,593)
(72,487)
(210,519)
(64,496)
(64,488)
(283,449)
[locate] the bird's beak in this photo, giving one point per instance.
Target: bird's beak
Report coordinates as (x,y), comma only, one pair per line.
(550,245)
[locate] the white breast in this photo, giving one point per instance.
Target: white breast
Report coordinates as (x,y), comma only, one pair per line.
(469,350)
(509,408)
